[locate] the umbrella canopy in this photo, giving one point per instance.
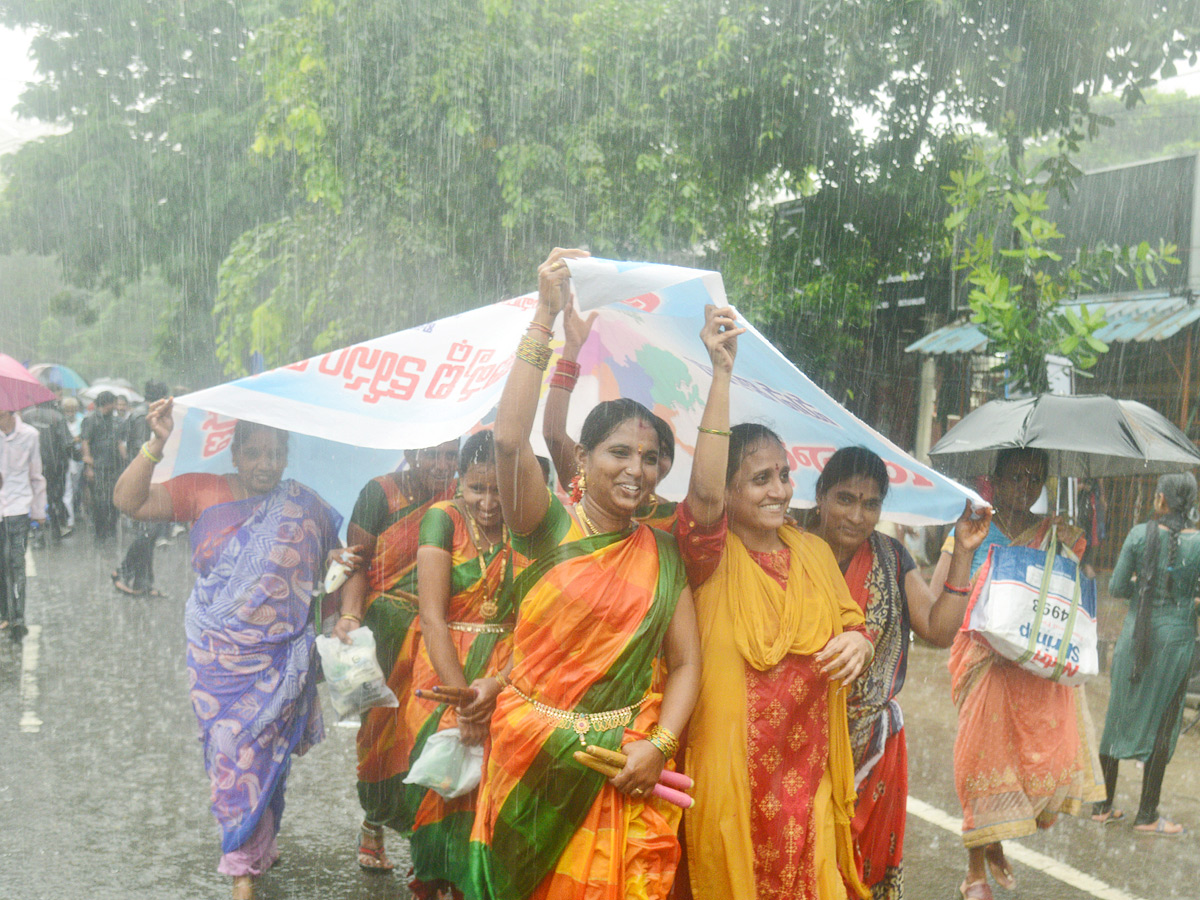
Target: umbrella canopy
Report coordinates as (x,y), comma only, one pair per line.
(113,387)
(51,374)
(1086,436)
(19,389)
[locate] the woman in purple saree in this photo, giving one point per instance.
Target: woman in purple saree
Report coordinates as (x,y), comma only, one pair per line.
(259,545)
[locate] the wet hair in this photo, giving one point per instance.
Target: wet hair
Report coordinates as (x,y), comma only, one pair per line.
(104,398)
(666,437)
(746,438)
(244,429)
(607,417)
(155,390)
(854,462)
(1017,454)
(478,448)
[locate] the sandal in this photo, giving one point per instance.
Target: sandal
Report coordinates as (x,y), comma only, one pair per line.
(243,887)
(976,890)
(1108,817)
(1163,827)
(371,856)
(1000,868)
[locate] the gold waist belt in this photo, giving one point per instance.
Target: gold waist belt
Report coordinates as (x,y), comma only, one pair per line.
(481,627)
(582,723)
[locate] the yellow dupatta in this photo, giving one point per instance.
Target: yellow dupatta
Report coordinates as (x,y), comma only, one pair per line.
(744,615)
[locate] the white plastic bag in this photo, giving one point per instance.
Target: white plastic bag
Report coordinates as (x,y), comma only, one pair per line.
(352,672)
(447,765)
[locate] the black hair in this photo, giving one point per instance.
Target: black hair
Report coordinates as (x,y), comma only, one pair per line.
(743,439)
(244,429)
(607,417)
(155,390)
(666,437)
(478,448)
(104,398)
(853,462)
(1016,454)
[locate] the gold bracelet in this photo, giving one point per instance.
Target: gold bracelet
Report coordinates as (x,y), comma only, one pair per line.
(501,680)
(715,431)
(350,616)
(538,326)
(534,352)
(150,456)
(665,740)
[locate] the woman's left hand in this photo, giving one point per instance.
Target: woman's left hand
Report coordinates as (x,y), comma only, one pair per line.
(481,708)
(846,656)
(643,764)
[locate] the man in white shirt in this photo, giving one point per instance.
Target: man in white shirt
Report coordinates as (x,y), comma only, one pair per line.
(22,497)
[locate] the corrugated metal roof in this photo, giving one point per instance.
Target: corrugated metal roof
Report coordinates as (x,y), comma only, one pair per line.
(1144,317)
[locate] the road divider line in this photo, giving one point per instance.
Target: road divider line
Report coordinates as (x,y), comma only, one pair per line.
(30,648)
(1081,881)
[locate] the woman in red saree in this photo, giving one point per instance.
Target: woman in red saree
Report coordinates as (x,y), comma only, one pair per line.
(384,528)
(1026,747)
(894,598)
(780,638)
(603,598)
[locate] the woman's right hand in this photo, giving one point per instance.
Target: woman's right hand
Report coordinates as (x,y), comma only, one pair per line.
(575,331)
(720,334)
(553,276)
(343,626)
(159,418)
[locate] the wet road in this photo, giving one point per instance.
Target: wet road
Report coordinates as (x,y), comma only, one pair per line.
(107,798)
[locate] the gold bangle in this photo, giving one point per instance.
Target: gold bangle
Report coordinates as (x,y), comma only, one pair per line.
(665,740)
(501,680)
(715,431)
(150,456)
(534,352)
(538,326)
(351,616)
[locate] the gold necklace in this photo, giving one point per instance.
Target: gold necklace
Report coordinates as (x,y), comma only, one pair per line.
(489,607)
(588,525)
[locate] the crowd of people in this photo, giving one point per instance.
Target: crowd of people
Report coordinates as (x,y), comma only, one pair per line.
(595,638)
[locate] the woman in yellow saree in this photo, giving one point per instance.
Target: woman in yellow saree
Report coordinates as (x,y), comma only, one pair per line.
(602,599)
(781,638)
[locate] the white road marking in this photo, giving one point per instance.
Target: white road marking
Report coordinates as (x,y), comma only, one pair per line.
(1081,881)
(30,723)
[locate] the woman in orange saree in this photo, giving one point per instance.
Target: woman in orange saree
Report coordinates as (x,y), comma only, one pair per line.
(384,528)
(781,638)
(465,570)
(1026,747)
(894,598)
(602,599)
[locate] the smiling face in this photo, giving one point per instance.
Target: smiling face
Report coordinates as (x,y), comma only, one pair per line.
(757,498)
(622,469)
(849,512)
(260,460)
(481,496)
(434,467)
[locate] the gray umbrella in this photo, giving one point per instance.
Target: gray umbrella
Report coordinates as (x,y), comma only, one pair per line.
(1086,436)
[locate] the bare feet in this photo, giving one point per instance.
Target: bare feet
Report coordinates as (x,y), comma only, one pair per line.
(243,887)
(999,866)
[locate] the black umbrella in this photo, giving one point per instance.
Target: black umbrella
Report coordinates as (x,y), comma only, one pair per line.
(1085,436)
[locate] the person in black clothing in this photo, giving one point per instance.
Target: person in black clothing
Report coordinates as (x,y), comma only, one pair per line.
(102,462)
(57,446)
(135,575)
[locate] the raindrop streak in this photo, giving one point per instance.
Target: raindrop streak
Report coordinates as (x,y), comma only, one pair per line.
(30,723)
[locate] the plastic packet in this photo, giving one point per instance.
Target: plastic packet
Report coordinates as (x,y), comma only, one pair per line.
(353,675)
(447,766)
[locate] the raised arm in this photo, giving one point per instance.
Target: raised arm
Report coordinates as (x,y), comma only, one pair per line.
(706,489)
(134,495)
(523,494)
(937,613)
(554,419)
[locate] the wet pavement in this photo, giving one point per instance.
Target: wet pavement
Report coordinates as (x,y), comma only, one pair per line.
(103,793)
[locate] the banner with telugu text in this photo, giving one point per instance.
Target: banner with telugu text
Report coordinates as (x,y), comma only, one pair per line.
(352,411)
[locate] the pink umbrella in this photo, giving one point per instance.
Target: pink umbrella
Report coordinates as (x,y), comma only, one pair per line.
(19,389)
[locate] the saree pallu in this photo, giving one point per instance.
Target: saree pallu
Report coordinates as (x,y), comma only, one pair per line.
(384,744)
(768,744)
(593,615)
(251,646)
(876,721)
(1026,748)
(442,827)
